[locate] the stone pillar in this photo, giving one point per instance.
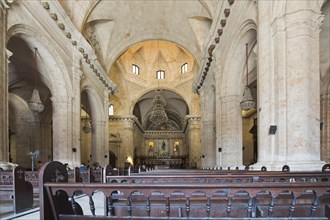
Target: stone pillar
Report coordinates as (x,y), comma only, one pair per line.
(98,142)
(127,145)
(288,88)
(325,128)
(106,105)
(4,89)
(62,130)
(231,132)
(76,108)
(4,114)
(208,130)
(194,141)
(217,114)
(267,144)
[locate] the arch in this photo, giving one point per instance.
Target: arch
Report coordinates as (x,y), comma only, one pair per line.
(235,63)
(58,78)
(143,107)
(95,104)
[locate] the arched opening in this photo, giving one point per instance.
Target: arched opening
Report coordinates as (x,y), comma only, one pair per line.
(30,134)
(86,130)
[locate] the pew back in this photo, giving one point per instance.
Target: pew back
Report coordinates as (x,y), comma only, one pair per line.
(182,200)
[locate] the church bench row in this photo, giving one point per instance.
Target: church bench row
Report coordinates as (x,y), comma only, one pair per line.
(229,178)
(324,169)
(14,188)
(76,175)
(179,201)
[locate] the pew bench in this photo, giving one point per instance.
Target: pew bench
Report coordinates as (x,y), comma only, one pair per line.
(244,178)
(262,200)
(15,189)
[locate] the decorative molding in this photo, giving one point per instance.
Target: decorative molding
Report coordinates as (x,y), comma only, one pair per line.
(207,62)
(87,52)
(5,4)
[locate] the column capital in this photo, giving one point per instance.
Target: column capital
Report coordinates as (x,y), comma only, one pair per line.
(303,22)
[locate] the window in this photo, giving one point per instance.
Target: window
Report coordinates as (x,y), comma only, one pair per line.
(160,74)
(111,110)
(135,69)
(184,68)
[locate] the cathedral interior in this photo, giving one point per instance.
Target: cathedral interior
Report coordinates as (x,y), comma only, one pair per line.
(202,84)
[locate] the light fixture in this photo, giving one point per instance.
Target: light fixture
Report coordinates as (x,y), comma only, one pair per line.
(87,127)
(247,102)
(35,103)
(158,114)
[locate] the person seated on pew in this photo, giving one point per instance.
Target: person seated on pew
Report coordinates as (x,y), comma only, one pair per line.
(39,165)
(83,167)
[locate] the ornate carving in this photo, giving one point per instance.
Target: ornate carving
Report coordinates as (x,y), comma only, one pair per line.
(5,4)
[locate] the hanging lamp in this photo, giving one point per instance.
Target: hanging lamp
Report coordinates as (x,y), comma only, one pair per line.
(158,114)
(35,103)
(247,102)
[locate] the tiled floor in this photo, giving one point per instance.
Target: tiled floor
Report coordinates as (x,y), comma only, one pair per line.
(34,214)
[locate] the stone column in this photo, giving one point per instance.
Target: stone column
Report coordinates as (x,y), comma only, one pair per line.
(98,142)
(288,88)
(4,56)
(106,105)
(127,145)
(4,114)
(268,89)
(208,130)
(217,114)
(194,141)
(76,108)
(62,130)
(231,132)
(4,89)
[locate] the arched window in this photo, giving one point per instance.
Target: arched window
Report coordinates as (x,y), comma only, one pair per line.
(160,74)
(111,110)
(184,68)
(135,69)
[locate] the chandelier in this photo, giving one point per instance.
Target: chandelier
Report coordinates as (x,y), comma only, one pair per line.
(158,114)
(247,102)
(35,103)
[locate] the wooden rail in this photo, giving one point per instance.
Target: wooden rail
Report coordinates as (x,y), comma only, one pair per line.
(229,178)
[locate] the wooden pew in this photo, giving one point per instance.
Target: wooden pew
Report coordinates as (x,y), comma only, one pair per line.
(85,176)
(13,187)
(245,178)
(262,200)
